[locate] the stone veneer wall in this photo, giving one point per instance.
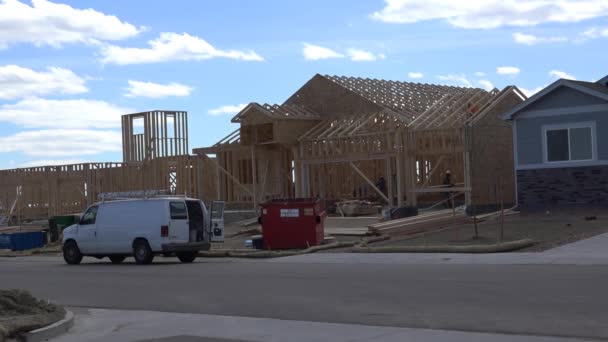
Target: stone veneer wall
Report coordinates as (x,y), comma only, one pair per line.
(548,188)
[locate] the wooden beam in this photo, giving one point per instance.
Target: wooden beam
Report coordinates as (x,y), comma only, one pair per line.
(313,129)
(399,170)
(389,181)
(428,177)
(263,188)
(348,158)
(446,189)
(357,170)
(254,174)
(231,177)
(467,163)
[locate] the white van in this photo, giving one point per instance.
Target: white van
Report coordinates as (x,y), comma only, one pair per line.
(142,228)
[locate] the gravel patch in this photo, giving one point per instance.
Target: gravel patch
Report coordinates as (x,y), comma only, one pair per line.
(21,312)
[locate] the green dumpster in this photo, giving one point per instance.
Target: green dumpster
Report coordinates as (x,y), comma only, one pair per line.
(58,223)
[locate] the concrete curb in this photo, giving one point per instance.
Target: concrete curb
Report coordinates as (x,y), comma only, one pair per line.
(494,248)
(51,331)
(273,254)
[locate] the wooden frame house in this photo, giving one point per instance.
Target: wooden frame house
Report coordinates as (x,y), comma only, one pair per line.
(336,136)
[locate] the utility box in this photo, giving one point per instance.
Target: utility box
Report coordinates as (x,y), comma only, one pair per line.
(293,223)
(20,241)
(58,223)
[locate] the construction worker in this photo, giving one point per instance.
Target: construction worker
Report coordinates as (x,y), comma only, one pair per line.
(447,183)
(381,185)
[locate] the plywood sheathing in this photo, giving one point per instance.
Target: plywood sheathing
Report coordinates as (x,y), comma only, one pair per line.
(53,190)
(491,144)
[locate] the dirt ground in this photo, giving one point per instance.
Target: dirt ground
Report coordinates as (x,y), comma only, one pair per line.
(21,312)
(548,229)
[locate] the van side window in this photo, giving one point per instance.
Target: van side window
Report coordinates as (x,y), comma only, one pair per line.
(178,211)
(89,216)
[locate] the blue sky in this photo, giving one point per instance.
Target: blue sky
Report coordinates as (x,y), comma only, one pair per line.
(69,69)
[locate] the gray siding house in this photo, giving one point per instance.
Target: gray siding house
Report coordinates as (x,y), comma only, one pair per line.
(560,138)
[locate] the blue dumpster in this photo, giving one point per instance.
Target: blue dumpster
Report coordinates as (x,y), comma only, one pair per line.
(20,241)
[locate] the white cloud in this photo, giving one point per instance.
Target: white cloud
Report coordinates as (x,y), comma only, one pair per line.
(358,55)
(488,14)
(479,74)
(52,162)
(530,92)
(415,75)
(528,39)
(507,70)
(155,90)
(17,82)
(80,113)
(595,32)
(61,142)
(315,52)
(457,79)
(487,85)
(172,47)
(561,74)
(48,23)
(227,110)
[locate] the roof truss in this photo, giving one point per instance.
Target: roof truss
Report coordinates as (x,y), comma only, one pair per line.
(277,112)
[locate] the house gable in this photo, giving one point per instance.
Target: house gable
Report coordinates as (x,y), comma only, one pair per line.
(329,99)
(564,97)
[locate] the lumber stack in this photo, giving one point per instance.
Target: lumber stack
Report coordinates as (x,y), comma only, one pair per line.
(421,223)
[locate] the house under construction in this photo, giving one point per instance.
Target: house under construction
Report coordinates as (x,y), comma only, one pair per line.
(335,138)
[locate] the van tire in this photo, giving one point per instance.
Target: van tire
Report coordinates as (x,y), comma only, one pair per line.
(186,257)
(117,259)
(142,252)
(71,253)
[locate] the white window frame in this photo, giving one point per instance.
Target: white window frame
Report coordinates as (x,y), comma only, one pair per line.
(568,126)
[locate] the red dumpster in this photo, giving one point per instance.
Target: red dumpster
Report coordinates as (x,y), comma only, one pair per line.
(292,223)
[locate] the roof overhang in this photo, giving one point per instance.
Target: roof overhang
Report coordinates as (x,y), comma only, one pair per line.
(276,112)
(550,88)
(239,115)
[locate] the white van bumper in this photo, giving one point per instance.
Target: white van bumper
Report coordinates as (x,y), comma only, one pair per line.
(185,247)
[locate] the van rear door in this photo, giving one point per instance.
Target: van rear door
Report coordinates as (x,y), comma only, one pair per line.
(178,227)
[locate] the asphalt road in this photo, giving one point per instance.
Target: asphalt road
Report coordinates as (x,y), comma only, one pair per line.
(548,300)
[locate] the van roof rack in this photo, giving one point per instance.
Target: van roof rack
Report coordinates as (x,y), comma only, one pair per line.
(114,196)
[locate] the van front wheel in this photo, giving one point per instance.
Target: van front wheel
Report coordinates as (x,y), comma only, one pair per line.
(186,257)
(71,253)
(142,252)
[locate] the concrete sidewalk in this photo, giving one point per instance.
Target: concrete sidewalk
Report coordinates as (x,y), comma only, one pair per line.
(531,258)
(592,251)
(100,325)
(597,246)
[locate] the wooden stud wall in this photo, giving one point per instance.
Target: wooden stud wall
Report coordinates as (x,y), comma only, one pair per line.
(159,138)
(54,190)
(271,178)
